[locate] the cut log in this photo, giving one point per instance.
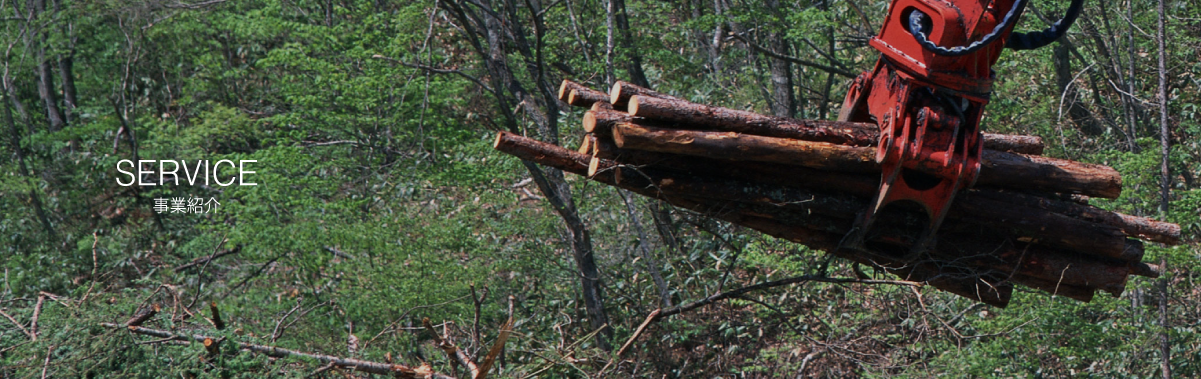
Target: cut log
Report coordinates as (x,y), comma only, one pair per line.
(601,123)
(1021,144)
(582,98)
(703,117)
(1033,225)
(998,169)
(1029,172)
(586,144)
(745,147)
(1084,294)
(621,93)
(1141,227)
(1046,227)
(585,98)
(601,105)
(865,185)
(981,260)
(143,315)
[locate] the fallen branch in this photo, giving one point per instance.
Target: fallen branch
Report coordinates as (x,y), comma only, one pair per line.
(19,326)
(452,351)
(143,315)
(207,259)
(401,371)
(338,253)
(33,321)
(95,240)
(782,282)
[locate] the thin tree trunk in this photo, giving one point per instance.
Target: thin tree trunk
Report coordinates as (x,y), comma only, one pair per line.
(1132,115)
(783,100)
(575,27)
(652,266)
(1165,183)
(16,103)
(66,67)
(33,195)
(489,37)
(610,41)
(715,44)
(1067,94)
(633,59)
(45,74)
(1164,132)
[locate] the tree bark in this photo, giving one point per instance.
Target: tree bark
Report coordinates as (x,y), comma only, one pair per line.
(783,102)
(746,147)
(703,117)
(578,95)
(998,169)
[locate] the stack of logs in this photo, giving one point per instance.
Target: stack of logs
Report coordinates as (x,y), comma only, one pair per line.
(1026,220)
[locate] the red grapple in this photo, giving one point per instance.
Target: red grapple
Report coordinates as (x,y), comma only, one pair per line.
(928,105)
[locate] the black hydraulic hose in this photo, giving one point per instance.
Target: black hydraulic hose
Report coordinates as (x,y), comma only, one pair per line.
(915,27)
(1034,40)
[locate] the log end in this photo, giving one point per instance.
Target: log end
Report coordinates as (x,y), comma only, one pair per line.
(615,92)
(590,121)
(1145,269)
(586,145)
(593,166)
(564,90)
(575,99)
(632,107)
(618,138)
(499,138)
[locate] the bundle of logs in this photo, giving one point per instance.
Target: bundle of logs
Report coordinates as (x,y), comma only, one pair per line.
(1026,220)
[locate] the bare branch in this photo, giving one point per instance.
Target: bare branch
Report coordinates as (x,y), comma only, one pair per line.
(452,351)
(435,70)
(802,62)
(18,324)
(777,283)
(400,371)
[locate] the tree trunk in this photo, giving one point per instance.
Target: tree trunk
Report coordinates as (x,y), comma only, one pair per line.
(45,74)
(1165,135)
(652,265)
(1132,116)
(11,94)
(490,40)
(633,58)
(66,67)
(1165,347)
(783,102)
(1067,93)
(33,195)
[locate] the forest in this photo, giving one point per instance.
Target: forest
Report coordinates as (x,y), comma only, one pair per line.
(359,222)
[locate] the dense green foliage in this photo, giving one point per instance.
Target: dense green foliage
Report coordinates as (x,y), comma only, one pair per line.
(380,201)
